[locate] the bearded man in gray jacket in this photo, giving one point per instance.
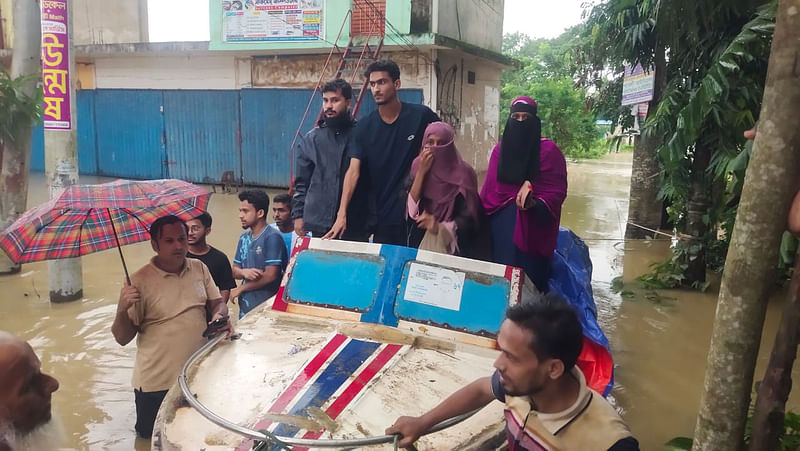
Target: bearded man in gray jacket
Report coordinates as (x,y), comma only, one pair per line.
(323,156)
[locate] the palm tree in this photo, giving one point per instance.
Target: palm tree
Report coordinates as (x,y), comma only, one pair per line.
(620,32)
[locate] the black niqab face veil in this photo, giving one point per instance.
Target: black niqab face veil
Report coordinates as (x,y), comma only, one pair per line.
(520,146)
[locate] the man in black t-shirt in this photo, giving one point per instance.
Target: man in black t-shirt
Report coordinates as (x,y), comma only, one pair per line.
(217,262)
(387,141)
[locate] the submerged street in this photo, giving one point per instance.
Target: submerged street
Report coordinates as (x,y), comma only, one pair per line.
(659,345)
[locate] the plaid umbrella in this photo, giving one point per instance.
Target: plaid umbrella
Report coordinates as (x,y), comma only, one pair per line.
(90,218)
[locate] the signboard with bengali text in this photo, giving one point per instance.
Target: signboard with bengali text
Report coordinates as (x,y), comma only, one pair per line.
(271,20)
(55,65)
(637,86)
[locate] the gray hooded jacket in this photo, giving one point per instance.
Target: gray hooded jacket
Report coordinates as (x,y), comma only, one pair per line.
(323,156)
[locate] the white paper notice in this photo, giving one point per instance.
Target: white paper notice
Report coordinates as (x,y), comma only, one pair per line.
(434,286)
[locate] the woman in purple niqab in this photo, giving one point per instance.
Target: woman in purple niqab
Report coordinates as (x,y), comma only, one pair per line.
(526,184)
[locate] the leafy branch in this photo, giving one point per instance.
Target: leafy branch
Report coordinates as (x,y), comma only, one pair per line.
(18,111)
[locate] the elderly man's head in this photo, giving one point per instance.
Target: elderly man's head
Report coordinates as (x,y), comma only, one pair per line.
(25,392)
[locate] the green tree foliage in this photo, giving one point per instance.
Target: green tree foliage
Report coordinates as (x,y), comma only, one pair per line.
(715,101)
(713,94)
(18,111)
(548,74)
(716,65)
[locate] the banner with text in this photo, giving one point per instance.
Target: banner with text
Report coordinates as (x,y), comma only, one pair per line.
(271,20)
(637,86)
(55,65)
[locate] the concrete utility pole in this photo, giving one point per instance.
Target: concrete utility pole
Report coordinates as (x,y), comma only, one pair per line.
(60,134)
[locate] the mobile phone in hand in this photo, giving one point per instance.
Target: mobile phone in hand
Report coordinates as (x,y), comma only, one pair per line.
(215,326)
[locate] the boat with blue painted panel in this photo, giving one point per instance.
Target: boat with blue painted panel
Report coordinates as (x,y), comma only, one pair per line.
(358,335)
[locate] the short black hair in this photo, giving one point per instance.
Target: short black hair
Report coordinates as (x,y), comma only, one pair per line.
(158,224)
(383,66)
(339,85)
(204,219)
(283,198)
(258,198)
(557,332)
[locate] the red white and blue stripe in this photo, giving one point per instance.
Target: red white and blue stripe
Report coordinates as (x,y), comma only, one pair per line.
(332,380)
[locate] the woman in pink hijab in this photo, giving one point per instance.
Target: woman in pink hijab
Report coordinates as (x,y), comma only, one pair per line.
(443,200)
(526,184)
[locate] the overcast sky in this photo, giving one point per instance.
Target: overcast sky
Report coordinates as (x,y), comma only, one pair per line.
(187,20)
(541,18)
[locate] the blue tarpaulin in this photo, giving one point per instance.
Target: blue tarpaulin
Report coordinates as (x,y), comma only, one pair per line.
(571,277)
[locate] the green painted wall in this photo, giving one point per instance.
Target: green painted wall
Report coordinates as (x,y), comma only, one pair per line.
(398,12)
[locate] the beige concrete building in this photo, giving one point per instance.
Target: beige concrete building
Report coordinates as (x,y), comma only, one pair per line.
(93,22)
(448,50)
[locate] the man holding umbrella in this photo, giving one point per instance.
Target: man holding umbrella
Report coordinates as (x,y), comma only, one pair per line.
(165,307)
(164,304)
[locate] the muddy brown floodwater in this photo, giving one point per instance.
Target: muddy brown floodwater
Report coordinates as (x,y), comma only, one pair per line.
(659,347)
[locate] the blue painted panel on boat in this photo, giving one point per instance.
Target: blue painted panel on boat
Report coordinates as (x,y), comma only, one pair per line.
(484,300)
(405,95)
(270,118)
(87,144)
(342,280)
(202,133)
(37,148)
(130,132)
(383,310)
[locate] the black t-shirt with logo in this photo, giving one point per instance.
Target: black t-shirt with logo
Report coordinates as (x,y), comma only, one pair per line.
(386,152)
(219,266)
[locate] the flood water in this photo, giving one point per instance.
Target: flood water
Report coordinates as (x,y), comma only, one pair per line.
(659,345)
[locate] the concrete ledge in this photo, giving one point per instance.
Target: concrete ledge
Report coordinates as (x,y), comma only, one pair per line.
(141,47)
(499,58)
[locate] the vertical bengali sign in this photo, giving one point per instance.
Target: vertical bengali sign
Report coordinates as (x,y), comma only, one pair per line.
(638,84)
(271,20)
(55,65)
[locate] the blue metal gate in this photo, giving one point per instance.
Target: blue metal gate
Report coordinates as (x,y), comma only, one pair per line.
(202,134)
(87,148)
(269,120)
(87,133)
(37,148)
(130,133)
(193,135)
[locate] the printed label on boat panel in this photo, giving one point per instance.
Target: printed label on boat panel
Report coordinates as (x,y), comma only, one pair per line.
(434,286)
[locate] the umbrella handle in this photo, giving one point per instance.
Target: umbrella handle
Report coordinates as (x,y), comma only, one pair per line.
(119,248)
